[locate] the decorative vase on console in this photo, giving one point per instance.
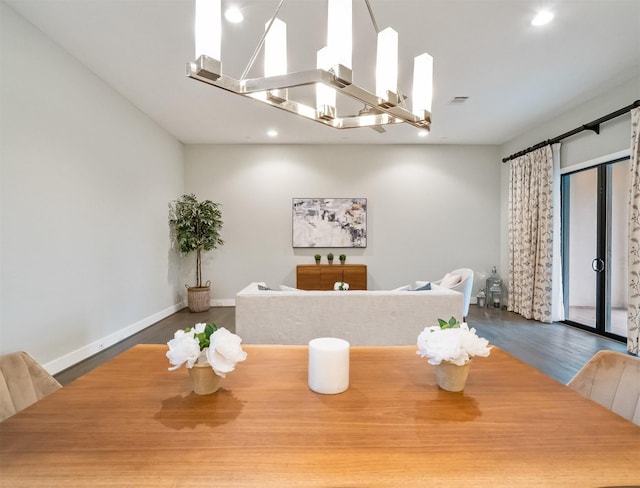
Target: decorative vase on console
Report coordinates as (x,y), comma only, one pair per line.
(330,258)
(208,351)
(343,258)
(450,347)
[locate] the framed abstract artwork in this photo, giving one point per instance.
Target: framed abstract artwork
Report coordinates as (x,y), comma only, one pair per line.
(329,222)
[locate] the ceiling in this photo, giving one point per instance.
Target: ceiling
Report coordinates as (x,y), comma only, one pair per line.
(515,75)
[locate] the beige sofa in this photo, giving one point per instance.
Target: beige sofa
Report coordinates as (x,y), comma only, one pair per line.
(364,318)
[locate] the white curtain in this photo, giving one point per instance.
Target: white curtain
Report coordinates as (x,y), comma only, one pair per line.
(531,231)
(557,299)
(633,317)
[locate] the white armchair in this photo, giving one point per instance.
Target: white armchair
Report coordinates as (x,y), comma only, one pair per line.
(464,286)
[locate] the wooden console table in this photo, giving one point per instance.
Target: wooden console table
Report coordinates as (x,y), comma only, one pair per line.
(324,276)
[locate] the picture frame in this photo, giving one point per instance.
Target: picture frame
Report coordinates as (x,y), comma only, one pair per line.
(329,222)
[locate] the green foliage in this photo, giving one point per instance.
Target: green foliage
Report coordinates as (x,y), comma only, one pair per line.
(452,324)
(342,257)
(330,256)
(204,339)
(196,226)
(317,257)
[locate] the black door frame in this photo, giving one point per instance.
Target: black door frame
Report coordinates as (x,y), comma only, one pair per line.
(603,247)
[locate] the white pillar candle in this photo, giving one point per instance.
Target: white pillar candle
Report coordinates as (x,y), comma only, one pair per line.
(328,365)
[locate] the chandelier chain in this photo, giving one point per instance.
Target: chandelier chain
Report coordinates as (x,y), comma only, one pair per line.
(373,18)
(261,42)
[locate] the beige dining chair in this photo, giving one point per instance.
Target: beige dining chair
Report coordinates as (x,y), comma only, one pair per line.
(22,382)
(611,379)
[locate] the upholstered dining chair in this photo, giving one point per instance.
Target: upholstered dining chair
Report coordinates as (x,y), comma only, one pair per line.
(22,382)
(463,285)
(611,379)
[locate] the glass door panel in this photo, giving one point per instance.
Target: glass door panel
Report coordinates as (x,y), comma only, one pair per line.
(594,247)
(581,237)
(619,244)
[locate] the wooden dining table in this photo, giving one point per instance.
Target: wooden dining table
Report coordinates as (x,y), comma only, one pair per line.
(133,423)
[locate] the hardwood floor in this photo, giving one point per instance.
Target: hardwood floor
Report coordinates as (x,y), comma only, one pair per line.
(158,333)
(555,349)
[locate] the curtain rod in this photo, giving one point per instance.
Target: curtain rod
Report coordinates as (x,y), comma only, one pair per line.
(594,125)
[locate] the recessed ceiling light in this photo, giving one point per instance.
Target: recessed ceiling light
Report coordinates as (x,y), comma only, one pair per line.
(272,133)
(423,133)
(233,15)
(542,18)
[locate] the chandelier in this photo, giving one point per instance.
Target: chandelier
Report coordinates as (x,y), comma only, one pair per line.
(333,73)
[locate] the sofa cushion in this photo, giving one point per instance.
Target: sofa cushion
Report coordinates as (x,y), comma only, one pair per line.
(402,288)
(289,288)
(450,280)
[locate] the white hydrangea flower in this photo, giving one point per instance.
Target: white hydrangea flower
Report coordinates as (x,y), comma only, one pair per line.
(456,345)
(224,351)
(183,348)
(199,328)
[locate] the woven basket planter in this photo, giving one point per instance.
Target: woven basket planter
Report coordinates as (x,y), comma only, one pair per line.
(199,298)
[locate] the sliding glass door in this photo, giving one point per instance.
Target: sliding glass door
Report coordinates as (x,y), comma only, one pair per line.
(594,247)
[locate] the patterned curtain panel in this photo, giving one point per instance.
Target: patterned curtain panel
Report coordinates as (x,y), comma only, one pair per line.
(531,235)
(633,320)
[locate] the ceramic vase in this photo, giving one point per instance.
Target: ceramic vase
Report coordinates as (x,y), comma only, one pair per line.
(452,377)
(205,381)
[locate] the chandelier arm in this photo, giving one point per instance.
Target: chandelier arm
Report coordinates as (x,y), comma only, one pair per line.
(394,114)
(373,19)
(261,42)
(402,100)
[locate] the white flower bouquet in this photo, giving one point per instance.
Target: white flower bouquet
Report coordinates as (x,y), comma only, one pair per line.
(451,341)
(206,343)
(340,285)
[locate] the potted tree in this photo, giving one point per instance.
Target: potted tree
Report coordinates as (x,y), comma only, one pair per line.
(196,227)
(317,257)
(330,258)
(343,258)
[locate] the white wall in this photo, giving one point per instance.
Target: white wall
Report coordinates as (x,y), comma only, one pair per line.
(614,136)
(430,208)
(85,179)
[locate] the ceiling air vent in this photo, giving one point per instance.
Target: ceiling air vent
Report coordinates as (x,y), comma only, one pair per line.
(458,100)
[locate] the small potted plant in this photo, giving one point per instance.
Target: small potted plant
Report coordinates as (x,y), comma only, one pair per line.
(330,258)
(450,346)
(317,257)
(209,352)
(343,258)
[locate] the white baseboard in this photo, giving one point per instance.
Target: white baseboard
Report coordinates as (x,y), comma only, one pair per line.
(224,302)
(89,350)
